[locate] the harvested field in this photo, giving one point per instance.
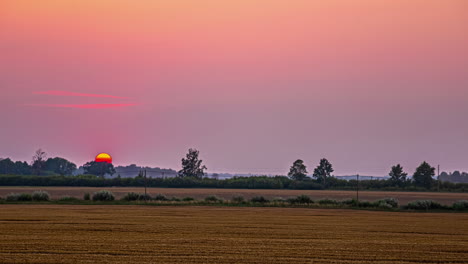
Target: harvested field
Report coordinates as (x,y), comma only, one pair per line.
(146,234)
(403,197)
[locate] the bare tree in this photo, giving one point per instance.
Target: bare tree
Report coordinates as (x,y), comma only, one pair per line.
(39,161)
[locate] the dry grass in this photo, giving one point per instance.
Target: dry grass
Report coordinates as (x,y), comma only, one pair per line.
(403,197)
(145,234)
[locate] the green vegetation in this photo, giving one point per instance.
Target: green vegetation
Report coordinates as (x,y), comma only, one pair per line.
(107,197)
(40,196)
(103,195)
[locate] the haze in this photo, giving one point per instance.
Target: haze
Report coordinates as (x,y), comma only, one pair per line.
(252,84)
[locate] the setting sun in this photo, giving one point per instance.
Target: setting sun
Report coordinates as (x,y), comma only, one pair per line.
(103,157)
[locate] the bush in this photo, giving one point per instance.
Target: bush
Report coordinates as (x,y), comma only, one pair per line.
(424,205)
(259,199)
(387,203)
(367,204)
(40,196)
(301,199)
(213,198)
(160,197)
(327,201)
(21,197)
(132,196)
(188,199)
(103,196)
(351,202)
(68,199)
(279,200)
(175,199)
(86,197)
(460,205)
(238,199)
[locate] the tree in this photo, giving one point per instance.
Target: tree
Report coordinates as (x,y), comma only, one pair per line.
(397,175)
(323,171)
(6,166)
(99,168)
(423,175)
(192,166)
(60,166)
(298,171)
(38,162)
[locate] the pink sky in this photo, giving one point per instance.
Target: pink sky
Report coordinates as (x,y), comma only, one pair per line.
(252,84)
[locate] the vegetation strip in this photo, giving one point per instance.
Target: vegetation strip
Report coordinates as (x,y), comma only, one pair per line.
(105,196)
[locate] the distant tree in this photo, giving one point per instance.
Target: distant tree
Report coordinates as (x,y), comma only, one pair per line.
(215,176)
(323,171)
(298,171)
(6,166)
(38,162)
(397,175)
(60,166)
(192,166)
(423,175)
(99,168)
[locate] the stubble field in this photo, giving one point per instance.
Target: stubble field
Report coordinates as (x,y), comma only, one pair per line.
(44,233)
(119,192)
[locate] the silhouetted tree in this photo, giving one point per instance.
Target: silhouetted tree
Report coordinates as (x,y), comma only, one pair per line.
(60,166)
(423,175)
(192,166)
(397,175)
(38,162)
(298,171)
(323,171)
(99,168)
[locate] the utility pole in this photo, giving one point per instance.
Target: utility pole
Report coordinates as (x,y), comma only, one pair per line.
(146,183)
(357,189)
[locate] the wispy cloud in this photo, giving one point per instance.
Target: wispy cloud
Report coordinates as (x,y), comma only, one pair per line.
(66,93)
(83,106)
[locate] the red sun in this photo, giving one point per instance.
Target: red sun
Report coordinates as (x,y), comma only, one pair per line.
(103,157)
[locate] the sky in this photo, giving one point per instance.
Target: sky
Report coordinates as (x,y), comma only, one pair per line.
(252,84)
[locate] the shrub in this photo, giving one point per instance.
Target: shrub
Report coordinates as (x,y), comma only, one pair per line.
(387,203)
(238,199)
(160,197)
(367,204)
(132,196)
(259,199)
(19,197)
(327,201)
(86,197)
(175,199)
(103,195)
(188,199)
(279,200)
(40,196)
(424,205)
(460,205)
(351,202)
(301,199)
(68,199)
(213,198)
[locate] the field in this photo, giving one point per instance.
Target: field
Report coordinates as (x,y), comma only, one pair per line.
(403,197)
(147,234)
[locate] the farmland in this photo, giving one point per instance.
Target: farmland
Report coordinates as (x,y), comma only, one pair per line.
(122,234)
(403,197)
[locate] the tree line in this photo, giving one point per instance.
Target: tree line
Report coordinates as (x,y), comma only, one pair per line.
(57,172)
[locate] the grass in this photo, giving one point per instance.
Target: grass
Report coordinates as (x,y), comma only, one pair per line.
(48,233)
(227,194)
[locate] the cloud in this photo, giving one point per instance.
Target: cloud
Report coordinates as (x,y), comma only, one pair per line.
(83,106)
(65,93)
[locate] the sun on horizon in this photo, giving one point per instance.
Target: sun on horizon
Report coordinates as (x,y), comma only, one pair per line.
(103,157)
